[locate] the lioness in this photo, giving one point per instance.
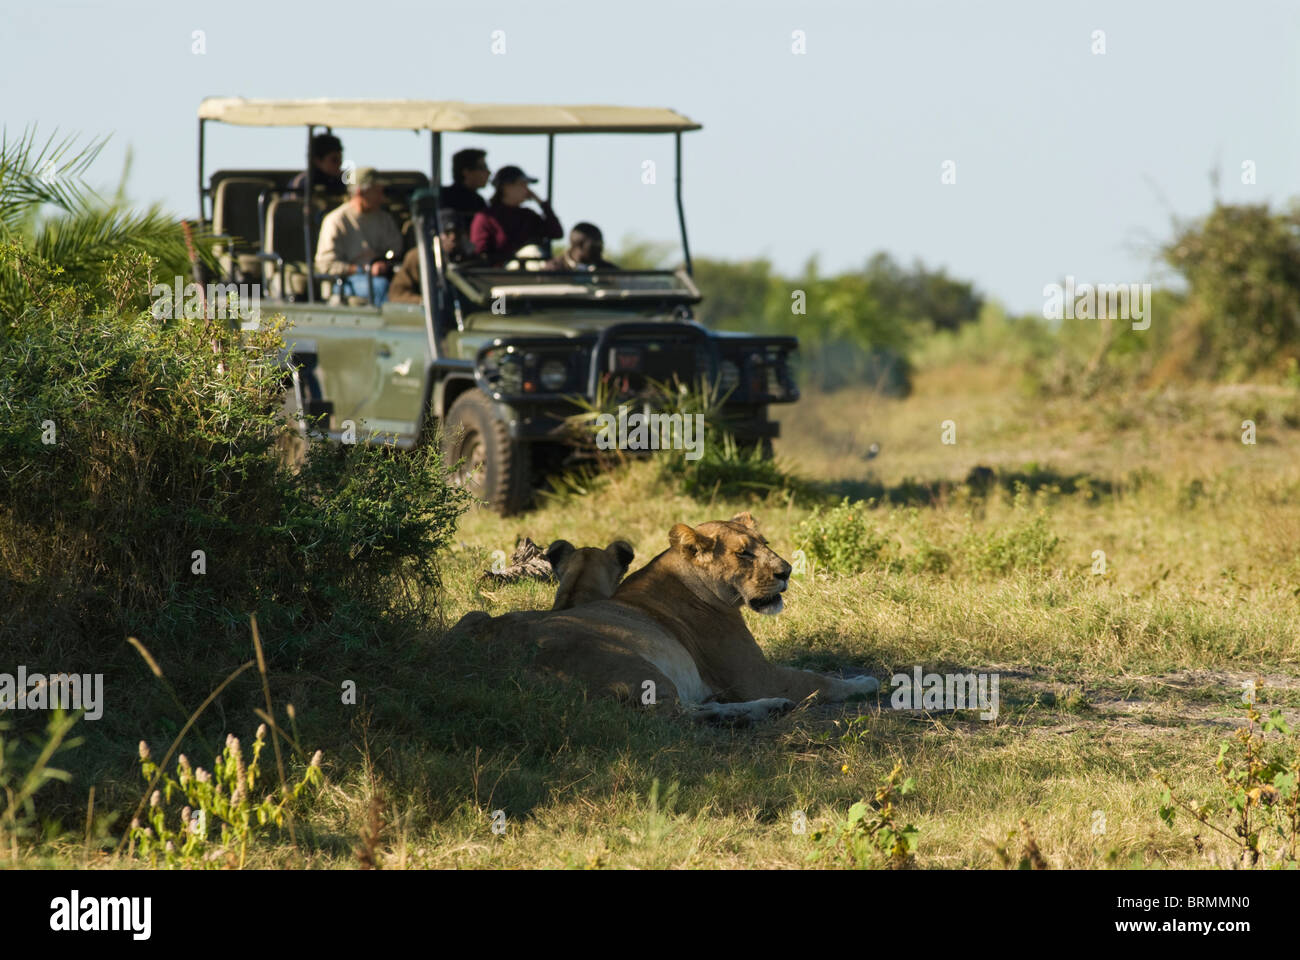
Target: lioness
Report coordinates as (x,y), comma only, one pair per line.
(587,574)
(675,628)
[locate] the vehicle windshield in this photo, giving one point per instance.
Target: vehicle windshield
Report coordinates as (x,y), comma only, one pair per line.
(483,284)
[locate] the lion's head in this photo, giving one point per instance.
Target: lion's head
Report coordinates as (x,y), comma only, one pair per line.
(734,562)
(587,574)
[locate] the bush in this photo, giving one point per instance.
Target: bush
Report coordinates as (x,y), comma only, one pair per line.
(871,835)
(1023,546)
(141,489)
(925,556)
(722,465)
(1242,267)
(726,469)
(1257,806)
(844,540)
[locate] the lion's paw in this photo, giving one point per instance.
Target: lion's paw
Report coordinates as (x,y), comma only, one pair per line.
(863,684)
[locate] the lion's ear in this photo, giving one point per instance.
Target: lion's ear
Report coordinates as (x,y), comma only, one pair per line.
(558,552)
(621,551)
(687,540)
(745,519)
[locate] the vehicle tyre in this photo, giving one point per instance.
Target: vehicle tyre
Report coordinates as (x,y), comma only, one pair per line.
(494,467)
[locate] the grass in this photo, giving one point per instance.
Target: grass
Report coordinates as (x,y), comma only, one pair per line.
(1108,679)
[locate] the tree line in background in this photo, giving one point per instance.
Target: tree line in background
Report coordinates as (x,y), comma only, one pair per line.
(1232,313)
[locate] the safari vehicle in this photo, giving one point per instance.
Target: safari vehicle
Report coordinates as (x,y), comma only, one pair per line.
(500,356)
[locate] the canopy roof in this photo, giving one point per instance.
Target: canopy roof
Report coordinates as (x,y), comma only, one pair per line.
(443,115)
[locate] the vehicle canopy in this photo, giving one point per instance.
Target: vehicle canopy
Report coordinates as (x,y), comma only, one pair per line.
(444,116)
(448,116)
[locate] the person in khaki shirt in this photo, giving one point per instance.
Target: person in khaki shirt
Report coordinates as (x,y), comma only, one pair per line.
(356,238)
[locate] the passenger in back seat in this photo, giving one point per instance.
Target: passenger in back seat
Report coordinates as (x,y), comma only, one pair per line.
(327,167)
(470,172)
(360,241)
(506,225)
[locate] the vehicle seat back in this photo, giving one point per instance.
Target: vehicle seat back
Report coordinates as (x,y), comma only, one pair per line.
(284,237)
(235,213)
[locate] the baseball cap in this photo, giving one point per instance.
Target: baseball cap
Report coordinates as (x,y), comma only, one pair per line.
(510,175)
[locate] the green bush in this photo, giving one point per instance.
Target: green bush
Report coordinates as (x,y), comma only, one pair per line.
(130,443)
(726,469)
(925,556)
(1242,267)
(872,834)
(722,466)
(844,539)
(1256,807)
(1025,545)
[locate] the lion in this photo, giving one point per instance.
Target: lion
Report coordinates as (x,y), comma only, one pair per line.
(587,574)
(672,633)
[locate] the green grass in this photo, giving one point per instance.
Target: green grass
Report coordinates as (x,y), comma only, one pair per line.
(1107,679)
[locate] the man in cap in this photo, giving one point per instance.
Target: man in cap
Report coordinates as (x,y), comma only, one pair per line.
(359,240)
(506,225)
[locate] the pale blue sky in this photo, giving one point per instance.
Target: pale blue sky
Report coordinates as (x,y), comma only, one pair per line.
(1067,162)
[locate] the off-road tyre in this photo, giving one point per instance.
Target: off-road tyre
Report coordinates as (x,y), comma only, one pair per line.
(495,468)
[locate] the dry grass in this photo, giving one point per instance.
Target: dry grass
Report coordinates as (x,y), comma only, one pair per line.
(1107,680)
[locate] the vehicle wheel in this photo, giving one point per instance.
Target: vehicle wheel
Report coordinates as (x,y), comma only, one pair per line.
(495,468)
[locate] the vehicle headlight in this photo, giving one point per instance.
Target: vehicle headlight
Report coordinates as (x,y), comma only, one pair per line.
(503,370)
(510,376)
(553,375)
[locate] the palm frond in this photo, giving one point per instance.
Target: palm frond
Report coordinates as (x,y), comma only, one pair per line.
(79,241)
(33,175)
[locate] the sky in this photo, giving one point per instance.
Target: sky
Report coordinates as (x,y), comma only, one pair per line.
(1064,160)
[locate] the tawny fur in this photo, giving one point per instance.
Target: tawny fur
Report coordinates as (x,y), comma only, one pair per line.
(674,630)
(587,574)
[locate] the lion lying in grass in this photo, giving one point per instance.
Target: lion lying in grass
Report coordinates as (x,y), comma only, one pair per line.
(587,574)
(673,632)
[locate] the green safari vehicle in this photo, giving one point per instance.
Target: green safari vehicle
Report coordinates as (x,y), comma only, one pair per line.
(500,356)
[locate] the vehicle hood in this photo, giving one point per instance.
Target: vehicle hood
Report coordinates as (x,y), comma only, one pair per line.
(483,328)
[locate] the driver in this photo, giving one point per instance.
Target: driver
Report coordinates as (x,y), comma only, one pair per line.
(406,281)
(506,225)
